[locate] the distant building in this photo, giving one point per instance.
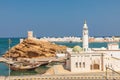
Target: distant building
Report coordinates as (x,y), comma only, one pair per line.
(113,46)
(21,40)
(30,34)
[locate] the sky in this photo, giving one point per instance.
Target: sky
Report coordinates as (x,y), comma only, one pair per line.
(58,18)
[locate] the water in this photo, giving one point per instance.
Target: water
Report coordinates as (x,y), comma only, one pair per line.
(3,69)
(91,45)
(4,44)
(4,47)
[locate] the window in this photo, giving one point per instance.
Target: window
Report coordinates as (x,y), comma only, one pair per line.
(76,65)
(80,64)
(83,64)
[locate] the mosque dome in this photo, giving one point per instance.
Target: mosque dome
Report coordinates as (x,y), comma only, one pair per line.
(77,49)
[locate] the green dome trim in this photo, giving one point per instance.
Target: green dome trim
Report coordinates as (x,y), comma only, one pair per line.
(77,49)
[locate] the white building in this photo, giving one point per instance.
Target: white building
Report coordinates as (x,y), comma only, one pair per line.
(113,46)
(93,59)
(30,34)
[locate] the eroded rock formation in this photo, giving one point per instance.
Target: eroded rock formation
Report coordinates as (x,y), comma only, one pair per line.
(32,48)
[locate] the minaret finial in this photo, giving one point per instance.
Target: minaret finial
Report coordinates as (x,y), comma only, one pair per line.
(85,22)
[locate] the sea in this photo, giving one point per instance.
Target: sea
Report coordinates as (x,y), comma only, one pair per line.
(4,45)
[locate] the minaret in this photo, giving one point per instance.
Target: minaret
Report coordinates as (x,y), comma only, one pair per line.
(85,37)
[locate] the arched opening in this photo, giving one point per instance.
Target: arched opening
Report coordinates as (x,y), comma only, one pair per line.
(95,64)
(95,67)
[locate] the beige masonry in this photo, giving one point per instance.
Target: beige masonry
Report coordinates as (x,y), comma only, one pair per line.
(93,59)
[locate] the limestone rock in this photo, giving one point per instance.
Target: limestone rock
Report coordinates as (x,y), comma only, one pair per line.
(31,48)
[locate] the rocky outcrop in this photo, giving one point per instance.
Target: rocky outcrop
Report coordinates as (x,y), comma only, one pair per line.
(33,48)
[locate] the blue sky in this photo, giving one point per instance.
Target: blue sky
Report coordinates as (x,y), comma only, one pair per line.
(59,17)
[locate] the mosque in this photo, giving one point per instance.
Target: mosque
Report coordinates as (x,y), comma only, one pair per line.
(85,59)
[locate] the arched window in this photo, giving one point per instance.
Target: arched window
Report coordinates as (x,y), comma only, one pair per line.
(83,64)
(76,64)
(80,64)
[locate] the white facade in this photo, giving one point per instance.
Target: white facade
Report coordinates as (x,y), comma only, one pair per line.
(85,62)
(60,55)
(95,59)
(90,62)
(113,46)
(85,37)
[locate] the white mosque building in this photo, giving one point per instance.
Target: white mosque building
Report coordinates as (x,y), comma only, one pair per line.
(87,59)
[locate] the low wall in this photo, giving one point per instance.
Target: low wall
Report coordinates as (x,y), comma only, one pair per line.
(62,77)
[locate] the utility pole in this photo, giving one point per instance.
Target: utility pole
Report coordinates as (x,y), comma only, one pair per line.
(9,42)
